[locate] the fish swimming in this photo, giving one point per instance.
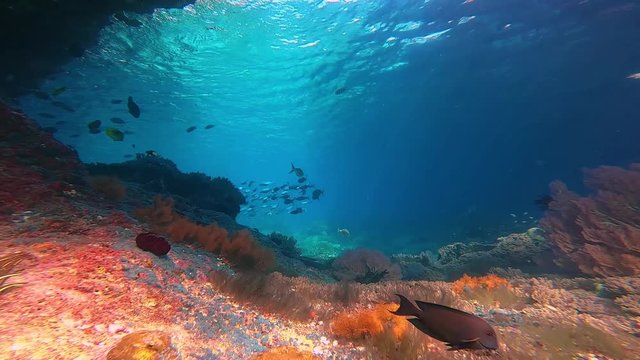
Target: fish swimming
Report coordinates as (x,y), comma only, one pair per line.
(210,126)
(297,171)
(58,91)
(315,195)
(191,128)
(134,109)
(114,134)
(94,126)
(296,211)
(344,232)
(302,179)
(457,329)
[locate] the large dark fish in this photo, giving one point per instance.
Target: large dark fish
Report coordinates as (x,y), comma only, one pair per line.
(297,171)
(458,329)
(134,109)
(315,195)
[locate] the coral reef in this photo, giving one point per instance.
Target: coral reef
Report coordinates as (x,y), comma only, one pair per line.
(240,248)
(599,234)
(365,266)
(528,252)
(109,186)
(286,244)
(35,167)
(159,175)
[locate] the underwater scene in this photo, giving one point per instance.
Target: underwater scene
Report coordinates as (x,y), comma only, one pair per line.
(320,179)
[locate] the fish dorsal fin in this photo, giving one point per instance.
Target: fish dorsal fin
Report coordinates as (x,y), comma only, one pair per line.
(425,306)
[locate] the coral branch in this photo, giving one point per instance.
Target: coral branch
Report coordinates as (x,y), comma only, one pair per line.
(240,248)
(598,234)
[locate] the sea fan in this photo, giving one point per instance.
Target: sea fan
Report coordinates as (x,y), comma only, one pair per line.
(7,263)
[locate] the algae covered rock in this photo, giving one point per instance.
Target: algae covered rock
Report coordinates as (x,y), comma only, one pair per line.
(144,345)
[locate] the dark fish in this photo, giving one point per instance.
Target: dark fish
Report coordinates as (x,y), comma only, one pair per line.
(288,201)
(50,129)
(117,120)
(296,211)
(134,109)
(58,91)
(114,134)
(209,127)
(133,146)
(41,95)
(543,202)
(341,90)
(297,171)
(62,105)
(94,126)
(315,195)
(191,128)
(47,115)
(456,328)
(116,101)
(302,179)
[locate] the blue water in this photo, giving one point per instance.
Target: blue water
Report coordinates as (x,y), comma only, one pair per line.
(454,118)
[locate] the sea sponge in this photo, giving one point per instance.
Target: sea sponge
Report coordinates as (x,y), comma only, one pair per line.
(153,243)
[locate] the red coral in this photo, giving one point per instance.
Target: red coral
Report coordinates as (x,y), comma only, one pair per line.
(599,234)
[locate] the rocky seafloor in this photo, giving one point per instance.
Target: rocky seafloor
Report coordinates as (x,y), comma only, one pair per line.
(84,290)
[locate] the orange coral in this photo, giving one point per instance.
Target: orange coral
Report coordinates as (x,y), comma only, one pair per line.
(285,353)
(366,323)
(488,282)
(240,249)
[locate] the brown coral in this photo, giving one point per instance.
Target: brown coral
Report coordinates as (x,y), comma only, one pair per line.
(240,248)
(109,186)
(599,234)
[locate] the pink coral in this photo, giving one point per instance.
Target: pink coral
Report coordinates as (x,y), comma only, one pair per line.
(599,234)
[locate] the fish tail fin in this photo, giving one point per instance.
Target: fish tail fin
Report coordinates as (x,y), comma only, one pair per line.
(293,168)
(406,307)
